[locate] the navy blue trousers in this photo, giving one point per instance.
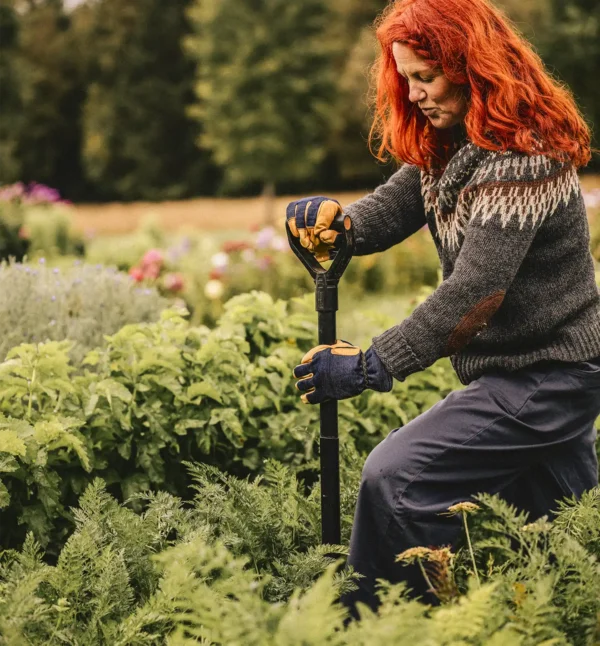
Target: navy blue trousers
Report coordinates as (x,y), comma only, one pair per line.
(527,435)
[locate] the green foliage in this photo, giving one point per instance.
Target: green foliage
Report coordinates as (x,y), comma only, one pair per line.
(40,138)
(125,251)
(277,526)
(158,394)
(264,86)
(50,232)
(137,140)
(12,243)
(31,456)
(9,82)
(161,576)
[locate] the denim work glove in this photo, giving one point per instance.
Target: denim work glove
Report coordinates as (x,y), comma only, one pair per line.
(340,371)
(309,219)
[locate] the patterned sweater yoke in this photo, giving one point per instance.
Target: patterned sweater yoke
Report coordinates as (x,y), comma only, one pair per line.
(513,240)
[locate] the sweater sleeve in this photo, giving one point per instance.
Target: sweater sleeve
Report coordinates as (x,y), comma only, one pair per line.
(389,215)
(506,210)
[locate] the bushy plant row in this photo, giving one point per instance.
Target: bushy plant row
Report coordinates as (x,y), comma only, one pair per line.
(207,273)
(80,302)
(34,219)
(236,567)
(161,393)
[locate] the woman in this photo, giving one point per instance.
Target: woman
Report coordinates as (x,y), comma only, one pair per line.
(490,145)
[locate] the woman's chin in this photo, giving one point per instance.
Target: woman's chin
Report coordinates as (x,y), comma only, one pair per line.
(442,122)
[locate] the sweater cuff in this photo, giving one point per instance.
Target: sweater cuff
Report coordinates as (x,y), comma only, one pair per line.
(362,222)
(396,354)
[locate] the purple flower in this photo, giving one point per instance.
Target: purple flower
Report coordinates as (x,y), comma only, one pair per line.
(280,243)
(12,191)
(40,194)
(56,270)
(264,237)
(31,194)
(42,261)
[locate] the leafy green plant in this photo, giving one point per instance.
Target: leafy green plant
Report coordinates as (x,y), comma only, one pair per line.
(51,233)
(158,394)
(13,242)
(163,576)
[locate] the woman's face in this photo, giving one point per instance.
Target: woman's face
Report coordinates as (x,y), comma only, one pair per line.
(442,102)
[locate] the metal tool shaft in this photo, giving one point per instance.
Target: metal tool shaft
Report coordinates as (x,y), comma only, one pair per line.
(326,305)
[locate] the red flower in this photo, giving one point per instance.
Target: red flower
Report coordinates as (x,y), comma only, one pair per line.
(24,233)
(215,273)
(235,245)
(137,274)
(173,282)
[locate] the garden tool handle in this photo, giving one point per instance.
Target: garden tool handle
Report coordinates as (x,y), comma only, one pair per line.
(326,296)
(341,256)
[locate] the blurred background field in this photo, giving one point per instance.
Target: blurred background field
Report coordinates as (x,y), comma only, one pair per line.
(164,140)
(235,214)
(112,101)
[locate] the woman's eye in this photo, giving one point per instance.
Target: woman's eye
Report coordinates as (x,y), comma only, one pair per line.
(426,80)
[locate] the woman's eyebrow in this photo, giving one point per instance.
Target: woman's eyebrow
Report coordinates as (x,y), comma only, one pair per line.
(422,71)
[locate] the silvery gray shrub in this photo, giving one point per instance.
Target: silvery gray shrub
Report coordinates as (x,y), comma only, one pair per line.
(81,303)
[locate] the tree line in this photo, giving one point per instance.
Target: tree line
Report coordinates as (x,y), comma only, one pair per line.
(144,99)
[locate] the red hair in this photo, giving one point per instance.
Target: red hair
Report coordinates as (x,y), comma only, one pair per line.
(514,103)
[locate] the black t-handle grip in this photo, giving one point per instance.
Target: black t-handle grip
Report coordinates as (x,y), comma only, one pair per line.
(341,256)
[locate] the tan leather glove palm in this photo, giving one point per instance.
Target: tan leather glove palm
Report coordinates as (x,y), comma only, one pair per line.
(310,220)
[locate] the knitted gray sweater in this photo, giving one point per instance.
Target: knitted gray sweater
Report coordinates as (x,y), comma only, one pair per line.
(518,277)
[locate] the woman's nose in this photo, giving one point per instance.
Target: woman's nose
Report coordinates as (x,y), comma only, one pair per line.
(416,94)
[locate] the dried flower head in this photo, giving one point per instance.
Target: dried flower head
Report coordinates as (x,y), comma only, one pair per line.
(441,555)
(412,553)
(462,507)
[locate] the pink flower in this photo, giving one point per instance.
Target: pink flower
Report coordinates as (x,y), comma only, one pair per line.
(173,282)
(264,237)
(265,262)
(152,257)
(152,271)
(137,274)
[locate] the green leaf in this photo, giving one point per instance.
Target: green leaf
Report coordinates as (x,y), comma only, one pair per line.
(204,388)
(11,443)
(4,496)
